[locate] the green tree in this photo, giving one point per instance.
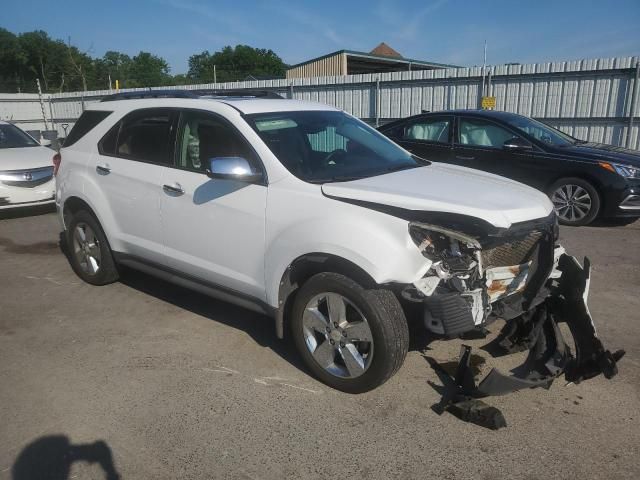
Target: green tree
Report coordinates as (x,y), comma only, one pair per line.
(148,70)
(45,59)
(114,66)
(12,62)
(235,63)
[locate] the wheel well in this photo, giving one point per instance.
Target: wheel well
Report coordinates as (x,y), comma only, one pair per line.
(73,205)
(587,178)
(303,268)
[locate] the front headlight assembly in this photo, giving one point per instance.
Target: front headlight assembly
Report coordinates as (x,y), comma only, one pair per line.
(626,171)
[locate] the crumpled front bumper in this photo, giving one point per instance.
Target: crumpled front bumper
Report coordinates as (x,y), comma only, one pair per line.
(561,300)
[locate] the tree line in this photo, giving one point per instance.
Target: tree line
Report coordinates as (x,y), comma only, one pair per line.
(62,67)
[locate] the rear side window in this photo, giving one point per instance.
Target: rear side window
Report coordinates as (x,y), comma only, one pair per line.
(87,121)
(144,135)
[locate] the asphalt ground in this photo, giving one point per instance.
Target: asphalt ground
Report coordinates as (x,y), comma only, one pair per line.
(141,379)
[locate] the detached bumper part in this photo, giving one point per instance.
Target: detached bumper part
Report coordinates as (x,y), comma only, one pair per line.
(549,355)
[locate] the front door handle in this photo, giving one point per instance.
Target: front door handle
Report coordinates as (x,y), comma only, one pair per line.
(462,157)
(175,189)
(103,169)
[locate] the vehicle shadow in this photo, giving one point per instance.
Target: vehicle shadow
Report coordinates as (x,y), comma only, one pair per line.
(51,457)
(259,327)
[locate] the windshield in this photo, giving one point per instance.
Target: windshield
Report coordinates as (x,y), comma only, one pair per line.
(12,137)
(327,146)
(541,132)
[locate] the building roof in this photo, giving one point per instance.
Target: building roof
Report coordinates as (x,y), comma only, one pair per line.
(385,50)
(353,54)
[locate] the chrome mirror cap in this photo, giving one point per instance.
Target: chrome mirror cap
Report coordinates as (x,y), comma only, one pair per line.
(232,168)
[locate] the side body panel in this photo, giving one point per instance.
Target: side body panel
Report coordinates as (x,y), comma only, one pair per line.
(215,230)
(301,220)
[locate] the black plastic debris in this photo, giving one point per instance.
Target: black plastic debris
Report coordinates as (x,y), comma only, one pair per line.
(536,330)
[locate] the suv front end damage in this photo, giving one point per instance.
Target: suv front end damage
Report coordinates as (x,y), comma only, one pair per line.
(523,277)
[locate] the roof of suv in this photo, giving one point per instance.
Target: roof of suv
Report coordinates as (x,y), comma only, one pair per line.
(244,105)
(246,102)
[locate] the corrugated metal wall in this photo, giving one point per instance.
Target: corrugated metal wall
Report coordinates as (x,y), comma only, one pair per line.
(590,99)
(332,65)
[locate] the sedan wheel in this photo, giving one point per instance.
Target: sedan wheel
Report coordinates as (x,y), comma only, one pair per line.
(572,203)
(337,335)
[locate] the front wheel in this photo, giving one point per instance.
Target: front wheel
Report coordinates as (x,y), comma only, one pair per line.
(575,200)
(350,338)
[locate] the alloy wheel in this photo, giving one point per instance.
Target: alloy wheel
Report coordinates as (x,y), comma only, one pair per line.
(86,249)
(337,335)
(572,202)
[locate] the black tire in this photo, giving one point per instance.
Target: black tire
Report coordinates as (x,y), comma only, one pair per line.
(107,271)
(564,214)
(386,321)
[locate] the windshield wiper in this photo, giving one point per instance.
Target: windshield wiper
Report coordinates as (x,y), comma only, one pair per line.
(337,178)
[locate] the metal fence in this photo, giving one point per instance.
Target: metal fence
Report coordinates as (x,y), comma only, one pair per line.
(590,99)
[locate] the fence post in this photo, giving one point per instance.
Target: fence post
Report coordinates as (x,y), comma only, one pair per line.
(632,105)
(44,115)
(377,102)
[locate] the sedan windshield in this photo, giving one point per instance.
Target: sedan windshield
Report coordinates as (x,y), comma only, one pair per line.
(12,137)
(327,146)
(541,132)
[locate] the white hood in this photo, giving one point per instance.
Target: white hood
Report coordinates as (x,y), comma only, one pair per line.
(26,157)
(449,188)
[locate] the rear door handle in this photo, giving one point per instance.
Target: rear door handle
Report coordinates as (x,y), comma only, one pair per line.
(462,157)
(175,189)
(103,169)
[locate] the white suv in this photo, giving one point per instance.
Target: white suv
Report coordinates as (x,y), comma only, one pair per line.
(302,212)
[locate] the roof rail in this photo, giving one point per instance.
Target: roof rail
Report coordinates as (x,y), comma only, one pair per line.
(159,93)
(150,94)
(248,93)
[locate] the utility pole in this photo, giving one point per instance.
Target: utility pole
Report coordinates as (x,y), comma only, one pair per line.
(215,79)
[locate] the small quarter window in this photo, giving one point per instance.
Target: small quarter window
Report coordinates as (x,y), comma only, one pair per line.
(87,122)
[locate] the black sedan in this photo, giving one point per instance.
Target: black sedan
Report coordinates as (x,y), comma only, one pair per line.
(584,180)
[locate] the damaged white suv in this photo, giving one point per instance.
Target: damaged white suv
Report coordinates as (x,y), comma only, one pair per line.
(305,213)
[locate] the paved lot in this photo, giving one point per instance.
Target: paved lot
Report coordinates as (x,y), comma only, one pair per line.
(176,385)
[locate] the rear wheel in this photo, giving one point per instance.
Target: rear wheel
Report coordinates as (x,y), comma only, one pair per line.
(352,339)
(576,201)
(89,252)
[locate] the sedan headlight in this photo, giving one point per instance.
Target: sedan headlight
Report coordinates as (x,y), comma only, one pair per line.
(625,171)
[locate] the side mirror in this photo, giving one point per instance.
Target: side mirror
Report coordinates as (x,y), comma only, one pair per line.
(232,168)
(517,143)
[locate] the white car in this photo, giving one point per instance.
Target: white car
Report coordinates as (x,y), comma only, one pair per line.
(26,170)
(305,213)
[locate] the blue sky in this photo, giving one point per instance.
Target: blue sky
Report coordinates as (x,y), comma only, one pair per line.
(447,31)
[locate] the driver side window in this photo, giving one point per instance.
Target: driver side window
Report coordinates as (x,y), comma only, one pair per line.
(481,133)
(203,136)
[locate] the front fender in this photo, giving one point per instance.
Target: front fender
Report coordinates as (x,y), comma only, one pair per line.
(379,244)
